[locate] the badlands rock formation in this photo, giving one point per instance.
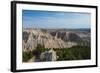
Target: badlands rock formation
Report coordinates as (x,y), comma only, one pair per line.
(53,38)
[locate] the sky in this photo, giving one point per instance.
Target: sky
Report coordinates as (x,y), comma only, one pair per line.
(53,19)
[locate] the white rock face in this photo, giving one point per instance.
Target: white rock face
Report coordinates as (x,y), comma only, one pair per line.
(48,55)
(32,37)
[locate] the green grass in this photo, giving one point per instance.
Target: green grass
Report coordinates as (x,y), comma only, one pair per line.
(73,53)
(27,56)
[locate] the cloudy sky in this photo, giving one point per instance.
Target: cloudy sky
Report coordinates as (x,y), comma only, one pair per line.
(51,19)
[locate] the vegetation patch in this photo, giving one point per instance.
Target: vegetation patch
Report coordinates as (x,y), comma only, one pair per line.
(73,53)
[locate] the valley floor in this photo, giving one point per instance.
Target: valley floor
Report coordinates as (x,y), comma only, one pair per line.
(65,54)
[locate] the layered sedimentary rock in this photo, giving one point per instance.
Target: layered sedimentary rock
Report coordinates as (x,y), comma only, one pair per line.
(51,38)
